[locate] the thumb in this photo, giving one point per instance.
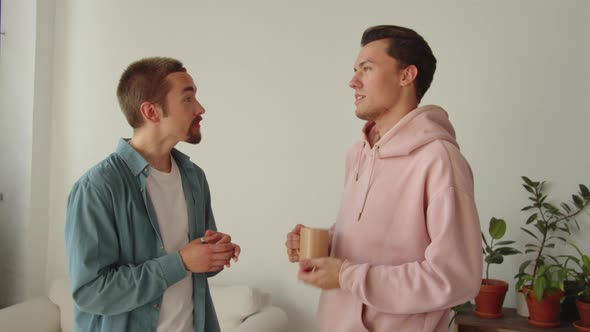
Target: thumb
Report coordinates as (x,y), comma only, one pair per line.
(306,264)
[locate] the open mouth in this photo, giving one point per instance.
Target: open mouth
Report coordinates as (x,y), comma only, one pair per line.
(197,123)
(358,98)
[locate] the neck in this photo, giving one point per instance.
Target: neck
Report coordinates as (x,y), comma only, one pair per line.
(390,118)
(154,150)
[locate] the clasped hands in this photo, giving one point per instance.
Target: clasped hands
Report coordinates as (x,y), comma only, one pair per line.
(210,253)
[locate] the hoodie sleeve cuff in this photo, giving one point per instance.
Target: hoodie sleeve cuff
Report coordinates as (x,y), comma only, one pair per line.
(172,268)
(345,283)
(352,275)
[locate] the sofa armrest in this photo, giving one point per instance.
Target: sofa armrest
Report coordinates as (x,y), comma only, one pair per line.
(269,319)
(38,314)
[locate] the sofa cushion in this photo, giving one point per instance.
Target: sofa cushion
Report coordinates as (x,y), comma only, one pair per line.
(59,293)
(233,304)
(38,314)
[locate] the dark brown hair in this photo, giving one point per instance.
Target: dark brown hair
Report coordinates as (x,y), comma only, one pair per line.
(408,48)
(145,80)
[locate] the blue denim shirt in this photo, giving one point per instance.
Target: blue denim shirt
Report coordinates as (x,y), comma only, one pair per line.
(118,268)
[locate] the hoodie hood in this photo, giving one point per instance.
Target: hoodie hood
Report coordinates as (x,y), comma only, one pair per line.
(421,126)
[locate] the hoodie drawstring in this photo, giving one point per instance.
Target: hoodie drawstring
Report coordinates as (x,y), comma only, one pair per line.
(358,164)
(369,182)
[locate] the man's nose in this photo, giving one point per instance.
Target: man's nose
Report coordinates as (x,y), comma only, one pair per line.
(355,82)
(200,109)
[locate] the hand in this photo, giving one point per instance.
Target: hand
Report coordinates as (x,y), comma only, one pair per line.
(322,272)
(218,237)
(200,257)
(292,244)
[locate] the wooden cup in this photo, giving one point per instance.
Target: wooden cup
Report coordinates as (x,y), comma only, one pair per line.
(313,243)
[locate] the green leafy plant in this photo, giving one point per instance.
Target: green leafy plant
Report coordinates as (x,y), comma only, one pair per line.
(494,252)
(459,308)
(547,224)
(580,275)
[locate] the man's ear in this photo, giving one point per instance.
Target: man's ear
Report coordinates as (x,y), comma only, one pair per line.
(409,75)
(150,111)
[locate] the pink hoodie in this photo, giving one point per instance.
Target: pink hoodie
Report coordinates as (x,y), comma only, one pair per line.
(408,231)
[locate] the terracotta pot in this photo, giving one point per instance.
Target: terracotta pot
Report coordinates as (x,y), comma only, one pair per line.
(580,327)
(489,300)
(584,310)
(544,313)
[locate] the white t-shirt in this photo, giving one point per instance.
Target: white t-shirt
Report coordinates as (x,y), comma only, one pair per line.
(167,196)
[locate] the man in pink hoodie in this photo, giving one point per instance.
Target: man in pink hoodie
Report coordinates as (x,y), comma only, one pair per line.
(406,244)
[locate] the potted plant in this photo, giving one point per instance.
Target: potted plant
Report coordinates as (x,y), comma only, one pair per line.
(489,300)
(541,279)
(580,275)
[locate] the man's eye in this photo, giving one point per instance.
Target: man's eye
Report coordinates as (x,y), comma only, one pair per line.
(366,69)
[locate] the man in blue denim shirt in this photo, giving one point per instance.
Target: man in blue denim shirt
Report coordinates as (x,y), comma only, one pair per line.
(140,234)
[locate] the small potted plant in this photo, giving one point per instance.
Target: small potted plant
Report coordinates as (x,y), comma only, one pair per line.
(490,299)
(580,275)
(543,286)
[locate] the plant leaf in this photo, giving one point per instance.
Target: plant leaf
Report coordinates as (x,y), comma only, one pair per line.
(484,240)
(524,265)
(578,201)
(495,259)
(540,285)
(506,251)
(528,181)
(503,243)
(584,191)
(530,233)
(528,188)
(532,218)
(542,228)
(497,228)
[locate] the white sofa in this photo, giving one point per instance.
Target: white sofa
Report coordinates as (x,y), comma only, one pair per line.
(239,309)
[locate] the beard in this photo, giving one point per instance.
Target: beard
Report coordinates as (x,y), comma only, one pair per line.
(369,113)
(194,137)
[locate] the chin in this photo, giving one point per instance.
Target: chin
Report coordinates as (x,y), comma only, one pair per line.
(194,139)
(362,115)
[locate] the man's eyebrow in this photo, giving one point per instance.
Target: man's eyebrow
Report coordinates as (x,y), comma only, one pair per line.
(189,89)
(362,63)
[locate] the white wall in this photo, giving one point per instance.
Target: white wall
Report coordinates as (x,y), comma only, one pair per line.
(273,77)
(25,94)
(16,116)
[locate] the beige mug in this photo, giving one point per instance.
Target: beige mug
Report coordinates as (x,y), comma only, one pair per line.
(313,243)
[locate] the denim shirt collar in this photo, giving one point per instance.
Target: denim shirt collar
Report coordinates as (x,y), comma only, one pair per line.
(136,163)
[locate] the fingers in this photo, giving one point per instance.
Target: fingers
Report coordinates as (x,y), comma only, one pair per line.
(224,256)
(293,255)
(221,248)
(225,238)
(237,251)
(212,236)
(297,229)
(306,265)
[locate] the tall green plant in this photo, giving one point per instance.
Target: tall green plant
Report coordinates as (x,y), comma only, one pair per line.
(494,252)
(547,223)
